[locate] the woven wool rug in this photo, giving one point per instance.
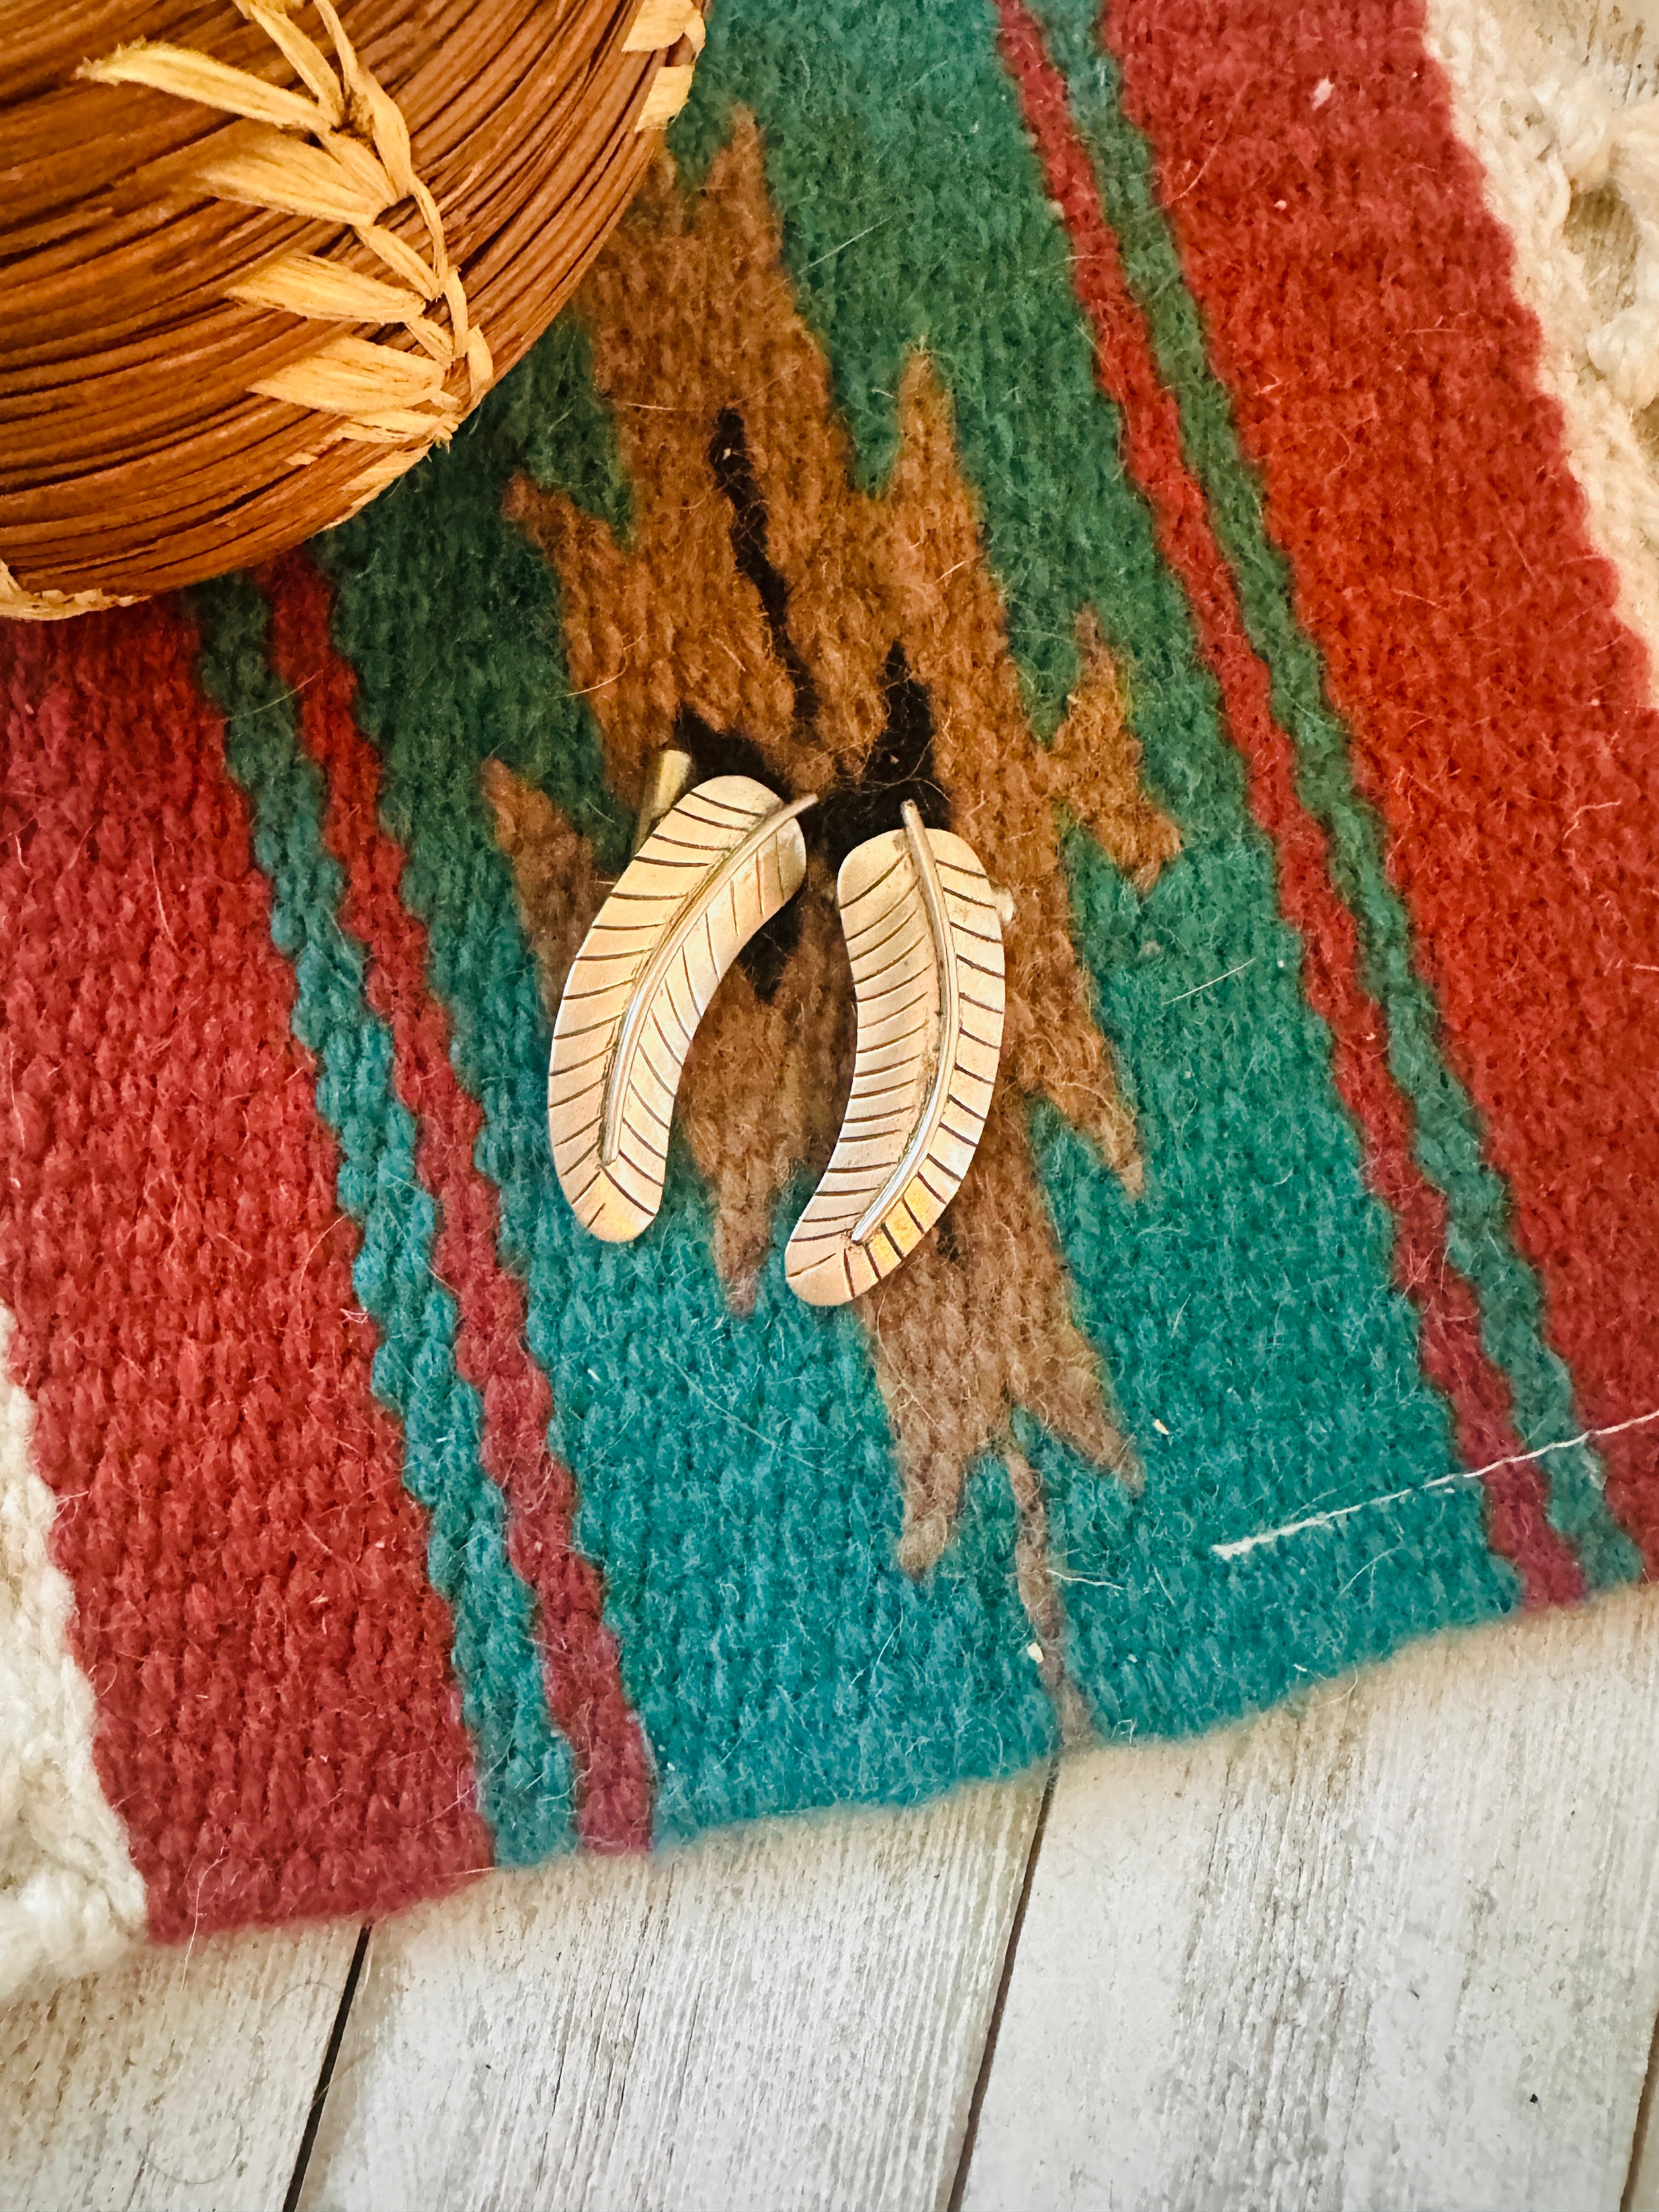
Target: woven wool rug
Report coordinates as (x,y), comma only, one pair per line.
(1187,455)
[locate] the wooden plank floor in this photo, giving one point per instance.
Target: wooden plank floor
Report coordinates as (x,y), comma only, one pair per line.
(180,2080)
(785,2018)
(1396,1948)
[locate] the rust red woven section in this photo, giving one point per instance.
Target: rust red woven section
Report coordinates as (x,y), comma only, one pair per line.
(1453,1356)
(277,1723)
(583,1676)
(1358,299)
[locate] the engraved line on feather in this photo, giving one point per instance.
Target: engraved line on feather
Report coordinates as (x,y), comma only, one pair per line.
(924,936)
(698,910)
(939,923)
(720,863)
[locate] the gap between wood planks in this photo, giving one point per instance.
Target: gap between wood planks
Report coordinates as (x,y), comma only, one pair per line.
(325,2072)
(1641,2192)
(992,2028)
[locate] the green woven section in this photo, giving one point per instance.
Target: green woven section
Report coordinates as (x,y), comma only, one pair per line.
(569,438)
(524,1765)
(735,1474)
(1447,1144)
(1265,1365)
(1277,1389)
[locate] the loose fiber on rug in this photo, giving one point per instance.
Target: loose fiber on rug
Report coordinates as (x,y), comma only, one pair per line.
(1180,451)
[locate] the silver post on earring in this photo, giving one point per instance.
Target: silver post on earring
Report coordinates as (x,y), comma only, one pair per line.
(667,779)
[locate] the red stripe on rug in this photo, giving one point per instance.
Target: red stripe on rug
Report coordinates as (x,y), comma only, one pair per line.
(581,1663)
(1453,1356)
(277,1723)
(1359,304)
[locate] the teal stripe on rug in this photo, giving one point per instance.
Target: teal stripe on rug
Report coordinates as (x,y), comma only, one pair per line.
(1479,1241)
(524,1765)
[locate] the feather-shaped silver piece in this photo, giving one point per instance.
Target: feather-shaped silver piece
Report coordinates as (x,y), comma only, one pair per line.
(924,934)
(719,863)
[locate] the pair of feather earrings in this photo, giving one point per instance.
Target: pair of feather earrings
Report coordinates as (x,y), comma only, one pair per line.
(924,935)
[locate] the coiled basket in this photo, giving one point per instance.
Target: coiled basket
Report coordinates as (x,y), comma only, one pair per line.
(260,255)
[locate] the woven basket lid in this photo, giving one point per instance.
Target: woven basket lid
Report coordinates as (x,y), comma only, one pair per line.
(263,255)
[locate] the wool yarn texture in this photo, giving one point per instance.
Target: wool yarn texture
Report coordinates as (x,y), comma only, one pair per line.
(1175,449)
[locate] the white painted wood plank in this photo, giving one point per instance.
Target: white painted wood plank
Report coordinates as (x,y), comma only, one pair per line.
(786,2017)
(174,2082)
(1398,1949)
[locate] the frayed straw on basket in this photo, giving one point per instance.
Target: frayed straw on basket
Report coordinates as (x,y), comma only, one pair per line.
(338,152)
(18,605)
(389,357)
